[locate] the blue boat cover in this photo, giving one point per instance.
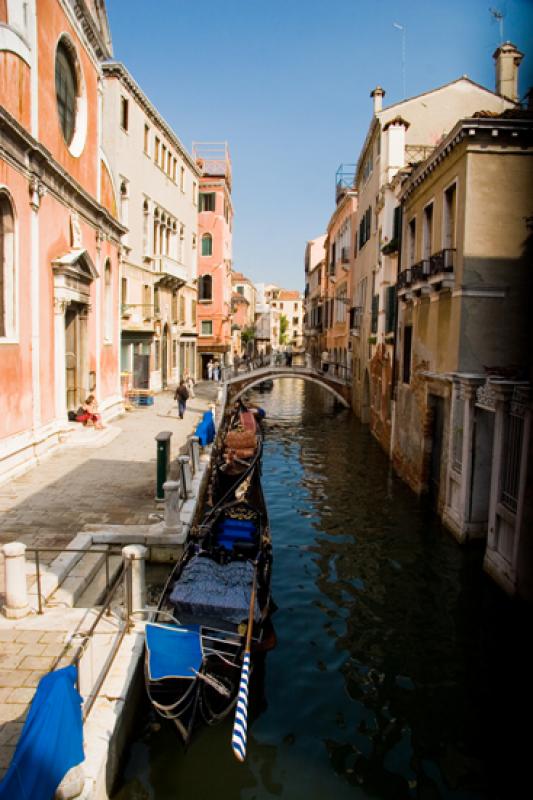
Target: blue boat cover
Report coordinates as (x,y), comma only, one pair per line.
(172,652)
(51,742)
(234,530)
(205,430)
(208,590)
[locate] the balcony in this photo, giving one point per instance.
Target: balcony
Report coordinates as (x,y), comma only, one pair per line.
(404,280)
(420,271)
(344,181)
(442,262)
(345,255)
(167,266)
(431,274)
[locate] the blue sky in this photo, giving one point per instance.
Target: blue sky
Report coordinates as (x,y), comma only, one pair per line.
(287,83)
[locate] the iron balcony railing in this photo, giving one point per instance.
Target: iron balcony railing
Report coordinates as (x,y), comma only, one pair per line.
(444,261)
(356,317)
(420,271)
(404,279)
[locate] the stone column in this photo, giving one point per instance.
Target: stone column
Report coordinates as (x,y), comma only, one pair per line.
(16,602)
(502,391)
(60,306)
(185,476)
(172,521)
(194,443)
(135,554)
(469,387)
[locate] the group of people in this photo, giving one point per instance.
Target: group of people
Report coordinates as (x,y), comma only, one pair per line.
(214,372)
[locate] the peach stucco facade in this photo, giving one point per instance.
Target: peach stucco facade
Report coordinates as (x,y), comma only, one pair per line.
(59,333)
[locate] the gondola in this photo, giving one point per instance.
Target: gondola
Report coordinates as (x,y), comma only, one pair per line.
(239,450)
(215,609)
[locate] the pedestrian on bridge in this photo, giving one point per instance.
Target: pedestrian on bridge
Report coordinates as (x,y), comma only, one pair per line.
(325,361)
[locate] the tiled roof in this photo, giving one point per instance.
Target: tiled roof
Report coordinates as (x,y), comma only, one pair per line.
(286,294)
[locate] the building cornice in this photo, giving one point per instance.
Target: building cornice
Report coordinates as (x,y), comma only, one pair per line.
(115,69)
(101,48)
(474,130)
(337,212)
(32,159)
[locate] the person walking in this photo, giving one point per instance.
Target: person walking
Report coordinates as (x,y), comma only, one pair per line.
(216,371)
(189,382)
(181,395)
(210,366)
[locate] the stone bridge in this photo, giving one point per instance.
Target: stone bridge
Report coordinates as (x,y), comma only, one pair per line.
(238,382)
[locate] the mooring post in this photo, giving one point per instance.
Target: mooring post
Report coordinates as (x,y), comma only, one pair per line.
(185,476)
(194,443)
(163,462)
(172,520)
(135,556)
(16,589)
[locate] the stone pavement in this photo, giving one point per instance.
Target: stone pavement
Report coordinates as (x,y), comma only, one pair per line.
(103,482)
(112,483)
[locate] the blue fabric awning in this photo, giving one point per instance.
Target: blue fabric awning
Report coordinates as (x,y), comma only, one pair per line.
(51,742)
(173,652)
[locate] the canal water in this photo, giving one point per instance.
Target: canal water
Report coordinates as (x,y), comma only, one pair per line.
(398,670)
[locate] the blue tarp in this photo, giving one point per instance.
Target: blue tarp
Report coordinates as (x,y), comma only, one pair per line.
(172,652)
(205,430)
(51,742)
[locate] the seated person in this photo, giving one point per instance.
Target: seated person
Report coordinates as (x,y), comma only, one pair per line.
(87,413)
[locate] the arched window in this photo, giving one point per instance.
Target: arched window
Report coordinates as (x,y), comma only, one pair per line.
(207,244)
(7,268)
(108,303)
(205,287)
(66,90)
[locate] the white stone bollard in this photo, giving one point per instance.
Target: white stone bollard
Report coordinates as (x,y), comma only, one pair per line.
(16,589)
(172,521)
(185,476)
(195,453)
(136,555)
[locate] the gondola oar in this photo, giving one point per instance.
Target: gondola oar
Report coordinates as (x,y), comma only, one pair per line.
(238,739)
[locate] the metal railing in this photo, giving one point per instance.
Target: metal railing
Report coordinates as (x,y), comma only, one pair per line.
(37,551)
(442,261)
(420,271)
(404,279)
(286,360)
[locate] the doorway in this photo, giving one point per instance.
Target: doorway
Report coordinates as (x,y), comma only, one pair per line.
(76,355)
(481,466)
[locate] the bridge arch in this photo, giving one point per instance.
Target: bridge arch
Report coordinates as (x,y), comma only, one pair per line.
(237,386)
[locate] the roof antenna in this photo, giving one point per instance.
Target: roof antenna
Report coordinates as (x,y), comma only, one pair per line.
(498,17)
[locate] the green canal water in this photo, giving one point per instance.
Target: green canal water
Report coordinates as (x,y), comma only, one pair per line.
(400,669)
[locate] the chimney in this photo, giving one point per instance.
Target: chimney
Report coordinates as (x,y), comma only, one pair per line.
(378,94)
(507,58)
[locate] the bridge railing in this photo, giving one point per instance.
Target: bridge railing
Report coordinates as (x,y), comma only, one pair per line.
(329,369)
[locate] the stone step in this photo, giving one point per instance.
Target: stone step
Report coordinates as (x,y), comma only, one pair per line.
(94,593)
(78,578)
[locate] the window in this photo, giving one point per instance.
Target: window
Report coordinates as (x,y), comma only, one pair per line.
(124,112)
(157,303)
(147,301)
(240,290)
(124,290)
(193,312)
(449,217)
(207,244)
(183,318)
(194,241)
(205,287)
(7,268)
(174,307)
(156,149)
(108,303)
(365,227)
(174,353)
(157,354)
(146,139)
(411,242)
(407,339)
(163,156)
(295,321)
(375,312)
(207,327)
(174,169)
(207,201)
(195,193)
(427,232)
(66,90)
(182,179)
(390,309)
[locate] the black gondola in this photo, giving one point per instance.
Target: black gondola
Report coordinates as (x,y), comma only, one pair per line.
(195,645)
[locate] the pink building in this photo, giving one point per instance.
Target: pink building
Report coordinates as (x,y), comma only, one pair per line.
(215,223)
(59,237)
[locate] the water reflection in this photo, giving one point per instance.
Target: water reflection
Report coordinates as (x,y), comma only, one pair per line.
(378,681)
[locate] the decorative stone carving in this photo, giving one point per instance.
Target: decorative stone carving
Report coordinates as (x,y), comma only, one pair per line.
(76,240)
(37,190)
(486,397)
(60,305)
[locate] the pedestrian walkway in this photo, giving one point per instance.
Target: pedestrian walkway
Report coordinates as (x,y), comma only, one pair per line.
(108,480)
(110,483)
